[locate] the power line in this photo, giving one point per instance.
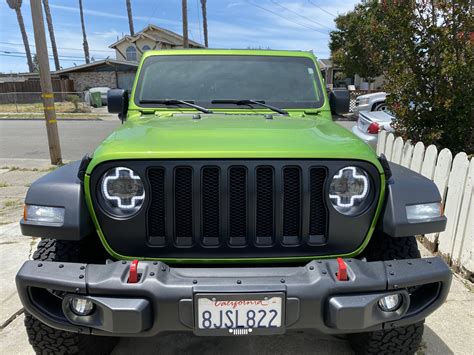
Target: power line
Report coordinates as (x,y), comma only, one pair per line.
(287,19)
(51,56)
(299,15)
(319,7)
(70,49)
(24,56)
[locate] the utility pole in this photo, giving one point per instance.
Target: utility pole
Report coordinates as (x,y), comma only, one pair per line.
(184,9)
(46,84)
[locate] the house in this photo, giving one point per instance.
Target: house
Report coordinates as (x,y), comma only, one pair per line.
(110,73)
(130,48)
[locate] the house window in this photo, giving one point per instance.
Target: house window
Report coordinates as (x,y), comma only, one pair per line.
(131,54)
(145,48)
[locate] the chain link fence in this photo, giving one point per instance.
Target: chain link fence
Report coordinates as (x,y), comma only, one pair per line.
(21,102)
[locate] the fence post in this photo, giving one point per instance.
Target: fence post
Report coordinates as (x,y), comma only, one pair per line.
(457,181)
(407,154)
(417,159)
(429,162)
(381,142)
(389,146)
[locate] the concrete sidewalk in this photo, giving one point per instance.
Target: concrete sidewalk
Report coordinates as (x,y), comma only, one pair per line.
(450,330)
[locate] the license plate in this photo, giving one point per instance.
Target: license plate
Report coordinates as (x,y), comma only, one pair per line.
(239,314)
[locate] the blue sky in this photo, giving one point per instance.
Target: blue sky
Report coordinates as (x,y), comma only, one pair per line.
(275,24)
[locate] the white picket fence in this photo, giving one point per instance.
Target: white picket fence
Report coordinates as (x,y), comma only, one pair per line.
(454,178)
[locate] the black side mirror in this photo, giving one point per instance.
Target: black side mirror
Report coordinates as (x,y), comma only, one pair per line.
(117,102)
(339,100)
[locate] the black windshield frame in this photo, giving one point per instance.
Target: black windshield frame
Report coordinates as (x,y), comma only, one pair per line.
(312,103)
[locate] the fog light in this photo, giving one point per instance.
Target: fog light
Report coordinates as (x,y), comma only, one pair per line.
(423,212)
(390,303)
(81,306)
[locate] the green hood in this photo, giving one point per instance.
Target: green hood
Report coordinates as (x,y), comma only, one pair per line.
(180,136)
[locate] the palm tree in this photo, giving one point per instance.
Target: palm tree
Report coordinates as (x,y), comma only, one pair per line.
(84,43)
(49,21)
(184,7)
(130,17)
(16,5)
(204,21)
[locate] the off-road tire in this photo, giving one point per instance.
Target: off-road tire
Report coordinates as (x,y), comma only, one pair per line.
(401,340)
(46,340)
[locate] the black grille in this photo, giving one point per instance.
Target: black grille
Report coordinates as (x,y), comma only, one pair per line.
(236,206)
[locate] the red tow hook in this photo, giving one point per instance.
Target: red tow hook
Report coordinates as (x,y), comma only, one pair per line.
(342,270)
(133,273)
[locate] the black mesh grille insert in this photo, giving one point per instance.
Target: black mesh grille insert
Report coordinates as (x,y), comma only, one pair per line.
(291,202)
(210,208)
(237,205)
(264,205)
(183,205)
(156,220)
(317,209)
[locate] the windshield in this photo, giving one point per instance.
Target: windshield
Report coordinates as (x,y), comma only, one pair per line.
(286,82)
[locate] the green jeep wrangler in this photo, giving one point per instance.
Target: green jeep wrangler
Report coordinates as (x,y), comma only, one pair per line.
(230,204)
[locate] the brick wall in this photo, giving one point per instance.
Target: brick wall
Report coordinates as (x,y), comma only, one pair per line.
(87,80)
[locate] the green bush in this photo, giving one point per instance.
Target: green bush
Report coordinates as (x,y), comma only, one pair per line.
(75,100)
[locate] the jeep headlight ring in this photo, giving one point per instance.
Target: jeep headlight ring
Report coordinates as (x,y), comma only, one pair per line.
(122,192)
(349,190)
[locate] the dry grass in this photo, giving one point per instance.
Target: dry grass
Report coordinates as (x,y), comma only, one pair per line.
(61,107)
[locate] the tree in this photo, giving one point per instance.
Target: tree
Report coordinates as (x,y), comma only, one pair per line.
(204,21)
(358,44)
(130,17)
(16,5)
(184,9)
(36,67)
(49,21)
(84,42)
(425,50)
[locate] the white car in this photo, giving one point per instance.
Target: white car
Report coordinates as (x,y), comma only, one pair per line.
(369,124)
(371,102)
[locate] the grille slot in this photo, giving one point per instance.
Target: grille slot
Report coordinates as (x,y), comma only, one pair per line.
(183,206)
(156,220)
(318,213)
(291,205)
(264,206)
(210,207)
(238,205)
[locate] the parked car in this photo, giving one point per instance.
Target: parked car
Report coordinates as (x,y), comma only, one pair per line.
(369,124)
(230,210)
(371,102)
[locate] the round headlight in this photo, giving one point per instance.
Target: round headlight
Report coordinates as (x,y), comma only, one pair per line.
(349,190)
(122,192)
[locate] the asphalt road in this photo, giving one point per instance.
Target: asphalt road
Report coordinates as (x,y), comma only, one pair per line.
(26,139)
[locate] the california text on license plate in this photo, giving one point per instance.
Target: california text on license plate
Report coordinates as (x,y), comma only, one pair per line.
(239,314)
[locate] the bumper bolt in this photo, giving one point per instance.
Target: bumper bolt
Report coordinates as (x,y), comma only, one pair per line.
(163,269)
(392,273)
(155,263)
(311,267)
(239,282)
(40,264)
(61,266)
(195,281)
(324,272)
(81,276)
(82,267)
(282,281)
(152,274)
(124,262)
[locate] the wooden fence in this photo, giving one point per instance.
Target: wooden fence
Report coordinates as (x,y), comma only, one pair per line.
(28,91)
(454,177)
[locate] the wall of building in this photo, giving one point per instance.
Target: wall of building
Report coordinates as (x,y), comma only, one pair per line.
(87,80)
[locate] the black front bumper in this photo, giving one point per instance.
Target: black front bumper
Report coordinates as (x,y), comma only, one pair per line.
(163,298)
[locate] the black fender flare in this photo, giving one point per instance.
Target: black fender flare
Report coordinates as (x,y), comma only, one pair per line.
(60,188)
(404,188)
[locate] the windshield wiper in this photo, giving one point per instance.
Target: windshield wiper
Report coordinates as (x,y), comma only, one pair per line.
(176,102)
(251,102)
